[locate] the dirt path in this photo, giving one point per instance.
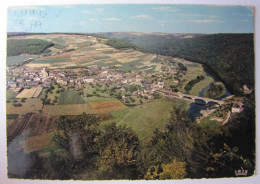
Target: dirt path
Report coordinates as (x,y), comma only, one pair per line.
(228,116)
(126,116)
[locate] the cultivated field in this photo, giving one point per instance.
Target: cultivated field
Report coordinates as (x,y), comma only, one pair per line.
(107,106)
(145,118)
(80,50)
(70,109)
(30,105)
(70,96)
(38,142)
(30,93)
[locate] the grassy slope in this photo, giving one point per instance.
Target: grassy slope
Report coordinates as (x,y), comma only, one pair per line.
(144,119)
(206,122)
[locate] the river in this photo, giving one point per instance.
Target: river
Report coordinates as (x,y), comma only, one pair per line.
(194,109)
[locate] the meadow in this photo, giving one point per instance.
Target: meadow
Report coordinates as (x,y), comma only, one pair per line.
(143,119)
(69,109)
(30,105)
(57,60)
(70,96)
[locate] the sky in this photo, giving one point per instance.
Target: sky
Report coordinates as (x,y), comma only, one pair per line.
(147,18)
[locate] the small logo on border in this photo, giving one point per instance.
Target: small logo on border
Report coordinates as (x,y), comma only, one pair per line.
(241,172)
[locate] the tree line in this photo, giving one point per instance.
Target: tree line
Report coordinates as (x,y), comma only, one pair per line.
(192,82)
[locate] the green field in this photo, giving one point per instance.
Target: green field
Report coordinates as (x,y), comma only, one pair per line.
(59,40)
(98,99)
(30,105)
(57,60)
(101,57)
(206,122)
(70,96)
(116,117)
(53,94)
(102,63)
(84,44)
(59,46)
(13,60)
(133,65)
(143,119)
(10,94)
(69,109)
(201,85)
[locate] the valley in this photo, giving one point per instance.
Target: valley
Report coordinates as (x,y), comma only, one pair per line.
(117,83)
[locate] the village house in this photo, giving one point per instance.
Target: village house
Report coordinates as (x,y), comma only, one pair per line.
(33,83)
(139,78)
(38,79)
(44,74)
(88,79)
(135,93)
(124,98)
(236,108)
(11,84)
(46,84)
(160,84)
(71,80)
(65,81)
(20,80)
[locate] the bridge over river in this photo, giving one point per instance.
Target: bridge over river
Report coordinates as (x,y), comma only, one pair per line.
(191,97)
(207,100)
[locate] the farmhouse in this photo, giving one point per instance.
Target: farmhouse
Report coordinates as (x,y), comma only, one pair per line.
(237,108)
(20,80)
(33,83)
(12,84)
(160,84)
(46,84)
(65,81)
(88,79)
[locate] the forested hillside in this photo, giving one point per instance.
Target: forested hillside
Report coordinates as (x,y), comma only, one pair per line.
(27,46)
(121,44)
(229,56)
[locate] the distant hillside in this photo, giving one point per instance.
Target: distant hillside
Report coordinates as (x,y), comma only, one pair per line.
(27,46)
(121,44)
(230,56)
(148,41)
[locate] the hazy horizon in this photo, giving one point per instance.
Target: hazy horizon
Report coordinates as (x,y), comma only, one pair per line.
(145,18)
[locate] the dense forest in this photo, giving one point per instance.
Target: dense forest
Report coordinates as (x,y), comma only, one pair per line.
(229,56)
(27,46)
